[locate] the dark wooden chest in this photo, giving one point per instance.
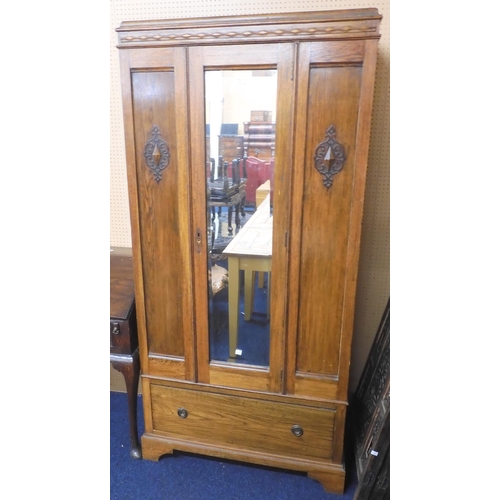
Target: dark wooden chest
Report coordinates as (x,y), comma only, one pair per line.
(124,355)
(123,329)
(231,147)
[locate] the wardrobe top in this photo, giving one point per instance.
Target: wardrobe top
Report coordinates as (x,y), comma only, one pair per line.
(296,26)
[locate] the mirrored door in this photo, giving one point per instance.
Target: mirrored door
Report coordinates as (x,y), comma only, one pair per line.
(240,146)
(240,141)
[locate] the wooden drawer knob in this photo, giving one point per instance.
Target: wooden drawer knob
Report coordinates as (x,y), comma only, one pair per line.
(182,413)
(297,430)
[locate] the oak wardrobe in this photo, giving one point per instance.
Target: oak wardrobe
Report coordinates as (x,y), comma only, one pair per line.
(245,274)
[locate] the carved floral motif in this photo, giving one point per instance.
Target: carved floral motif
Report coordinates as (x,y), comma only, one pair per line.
(157,154)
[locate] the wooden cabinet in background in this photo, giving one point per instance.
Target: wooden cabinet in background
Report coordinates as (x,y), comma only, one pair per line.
(260,139)
(230,147)
(280,397)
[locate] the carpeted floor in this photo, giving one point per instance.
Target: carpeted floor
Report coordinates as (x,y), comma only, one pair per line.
(183,476)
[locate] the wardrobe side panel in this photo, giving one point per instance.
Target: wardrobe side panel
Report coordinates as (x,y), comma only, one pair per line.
(333,99)
(161,221)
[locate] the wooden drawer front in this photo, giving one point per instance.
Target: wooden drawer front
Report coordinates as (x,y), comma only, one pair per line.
(249,423)
(119,334)
(231,154)
(231,147)
(123,334)
(261,116)
(263,152)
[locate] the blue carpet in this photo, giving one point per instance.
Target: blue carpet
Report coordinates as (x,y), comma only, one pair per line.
(183,476)
(253,336)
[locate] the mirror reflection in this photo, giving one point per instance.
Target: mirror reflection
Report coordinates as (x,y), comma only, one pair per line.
(240,143)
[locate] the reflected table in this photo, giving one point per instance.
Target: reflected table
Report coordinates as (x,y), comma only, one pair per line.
(249,251)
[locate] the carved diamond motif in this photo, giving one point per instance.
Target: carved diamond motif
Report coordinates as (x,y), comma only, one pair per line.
(329,157)
(156,153)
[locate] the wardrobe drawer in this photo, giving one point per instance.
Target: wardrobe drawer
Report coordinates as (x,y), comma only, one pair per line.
(242,422)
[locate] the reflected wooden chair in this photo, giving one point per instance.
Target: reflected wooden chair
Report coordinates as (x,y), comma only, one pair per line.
(225,192)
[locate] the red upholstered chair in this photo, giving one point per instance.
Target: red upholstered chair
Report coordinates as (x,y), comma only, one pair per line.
(269,175)
(255,171)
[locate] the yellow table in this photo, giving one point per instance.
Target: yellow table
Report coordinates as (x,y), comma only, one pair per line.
(250,251)
(261,192)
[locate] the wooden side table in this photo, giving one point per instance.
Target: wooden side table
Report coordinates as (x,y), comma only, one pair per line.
(124,354)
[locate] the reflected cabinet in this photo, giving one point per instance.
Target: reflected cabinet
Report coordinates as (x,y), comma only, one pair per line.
(246,146)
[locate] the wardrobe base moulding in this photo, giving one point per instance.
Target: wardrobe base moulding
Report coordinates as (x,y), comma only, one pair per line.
(331,476)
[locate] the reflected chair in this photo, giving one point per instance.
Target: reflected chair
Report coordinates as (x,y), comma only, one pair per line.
(254,170)
(226,192)
(217,275)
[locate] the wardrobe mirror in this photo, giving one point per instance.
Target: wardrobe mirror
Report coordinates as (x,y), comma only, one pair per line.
(240,142)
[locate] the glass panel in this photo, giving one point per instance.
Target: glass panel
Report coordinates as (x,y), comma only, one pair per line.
(240,141)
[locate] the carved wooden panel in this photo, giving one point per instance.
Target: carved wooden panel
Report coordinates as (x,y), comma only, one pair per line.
(325,224)
(371,417)
(163,257)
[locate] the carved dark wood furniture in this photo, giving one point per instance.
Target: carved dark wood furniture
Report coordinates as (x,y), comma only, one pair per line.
(289,412)
(227,191)
(231,147)
(259,139)
(371,419)
(124,354)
